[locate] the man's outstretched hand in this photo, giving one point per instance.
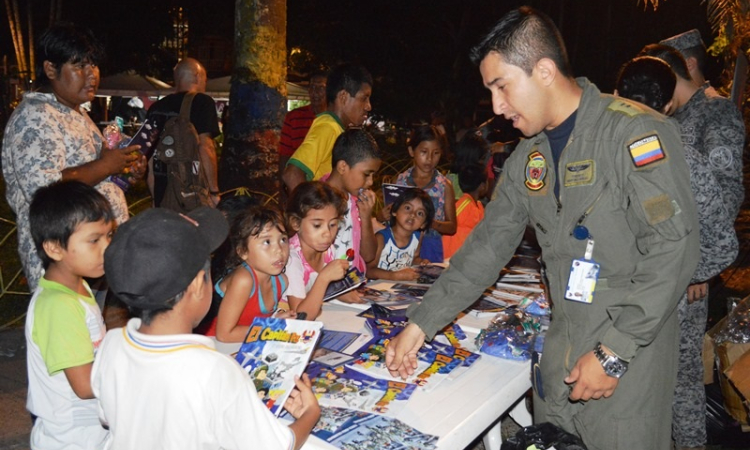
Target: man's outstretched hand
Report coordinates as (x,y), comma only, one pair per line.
(401,353)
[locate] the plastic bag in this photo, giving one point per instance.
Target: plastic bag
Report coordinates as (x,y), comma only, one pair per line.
(510,335)
(737,328)
(541,437)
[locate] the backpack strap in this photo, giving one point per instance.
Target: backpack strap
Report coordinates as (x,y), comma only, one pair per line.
(187,102)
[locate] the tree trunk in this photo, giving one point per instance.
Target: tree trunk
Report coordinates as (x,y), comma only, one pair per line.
(257,98)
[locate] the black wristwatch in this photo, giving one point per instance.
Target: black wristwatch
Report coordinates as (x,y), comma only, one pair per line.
(613,365)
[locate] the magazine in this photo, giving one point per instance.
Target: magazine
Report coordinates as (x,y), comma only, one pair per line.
(348,388)
(355,430)
(410,289)
(273,352)
(391,192)
(352,280)
(432,366)
(338,347)
(429,273)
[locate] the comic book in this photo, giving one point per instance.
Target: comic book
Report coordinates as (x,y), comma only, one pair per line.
(273,352)
(432,365)
(374,432)
(352,280)
(347,388)
(410,289)
(392,192)
(338,347)
(429,273)
(356,430)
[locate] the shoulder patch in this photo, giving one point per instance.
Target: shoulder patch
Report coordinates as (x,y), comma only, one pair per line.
(627,108)
(646,151)
(536,171)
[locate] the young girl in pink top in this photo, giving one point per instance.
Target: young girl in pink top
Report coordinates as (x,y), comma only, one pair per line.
(314,212)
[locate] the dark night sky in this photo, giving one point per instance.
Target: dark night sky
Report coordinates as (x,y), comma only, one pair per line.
(416,49)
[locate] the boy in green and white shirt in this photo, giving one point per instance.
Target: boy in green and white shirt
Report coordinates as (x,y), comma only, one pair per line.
(72,225)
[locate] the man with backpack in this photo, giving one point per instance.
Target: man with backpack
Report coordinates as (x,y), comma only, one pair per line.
(182,172)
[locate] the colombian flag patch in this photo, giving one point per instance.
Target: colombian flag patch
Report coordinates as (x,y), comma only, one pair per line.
(646,151)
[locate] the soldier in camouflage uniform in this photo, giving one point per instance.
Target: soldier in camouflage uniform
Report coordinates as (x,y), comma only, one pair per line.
(609,366)
(712,123)
(719,244)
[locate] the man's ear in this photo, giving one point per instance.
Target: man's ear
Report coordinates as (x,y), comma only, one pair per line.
(50,70)
(53,249)
(546,70)
(667,108)
(692,63)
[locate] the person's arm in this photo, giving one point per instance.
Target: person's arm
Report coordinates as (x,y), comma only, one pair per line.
(449,225)
(303,406)
(79,378)
(367,245)
(110,162)
(725,141)
(292,177)
(207,154)
(474,267)
(313,302)
(418,260)
(236,293)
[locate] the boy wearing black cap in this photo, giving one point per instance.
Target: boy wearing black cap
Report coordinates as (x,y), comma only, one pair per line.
(159,386)
(71,225)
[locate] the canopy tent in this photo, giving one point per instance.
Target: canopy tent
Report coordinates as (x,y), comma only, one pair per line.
(130,84)
(218,88)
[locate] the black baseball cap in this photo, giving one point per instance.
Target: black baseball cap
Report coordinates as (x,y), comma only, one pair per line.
(156,254)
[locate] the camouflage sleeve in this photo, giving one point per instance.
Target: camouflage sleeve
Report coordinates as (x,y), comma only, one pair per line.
(724,141)
(718,240)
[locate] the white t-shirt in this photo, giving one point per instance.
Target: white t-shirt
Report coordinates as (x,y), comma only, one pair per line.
(178,392)
(63,330)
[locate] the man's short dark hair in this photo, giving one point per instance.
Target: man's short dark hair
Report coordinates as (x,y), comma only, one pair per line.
(347,77)
(647,80)
(56,210)
(354,146)
(523,37)
(670,56)
(65,42)
(471,177)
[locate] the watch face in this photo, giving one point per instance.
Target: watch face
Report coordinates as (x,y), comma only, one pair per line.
(615,368)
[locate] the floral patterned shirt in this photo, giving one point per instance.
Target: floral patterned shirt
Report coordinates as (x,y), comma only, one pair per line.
(43,137)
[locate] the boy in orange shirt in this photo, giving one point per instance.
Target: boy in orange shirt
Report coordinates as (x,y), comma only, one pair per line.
(469,210)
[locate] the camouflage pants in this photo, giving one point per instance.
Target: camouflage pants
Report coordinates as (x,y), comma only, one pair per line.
(689,407)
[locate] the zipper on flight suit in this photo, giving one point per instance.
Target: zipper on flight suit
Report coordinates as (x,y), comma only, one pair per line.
(589,209)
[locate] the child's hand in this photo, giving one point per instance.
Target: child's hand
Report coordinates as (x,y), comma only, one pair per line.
(284,314)
(384,214)
(302,399)
(424,262)
(350,297)
(406,274)
(335,270)
(365,203)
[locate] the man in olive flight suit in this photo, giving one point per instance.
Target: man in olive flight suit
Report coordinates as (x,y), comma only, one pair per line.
(596,171)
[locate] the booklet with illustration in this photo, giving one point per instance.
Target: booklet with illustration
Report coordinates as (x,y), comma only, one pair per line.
(352,280)
(429,273)
(273,352)
(392,192)
(347,388)
(356,430)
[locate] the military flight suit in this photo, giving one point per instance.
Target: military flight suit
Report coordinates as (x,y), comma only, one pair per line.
(640,212)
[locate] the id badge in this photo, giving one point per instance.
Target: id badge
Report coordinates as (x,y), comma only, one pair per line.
(582,281)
